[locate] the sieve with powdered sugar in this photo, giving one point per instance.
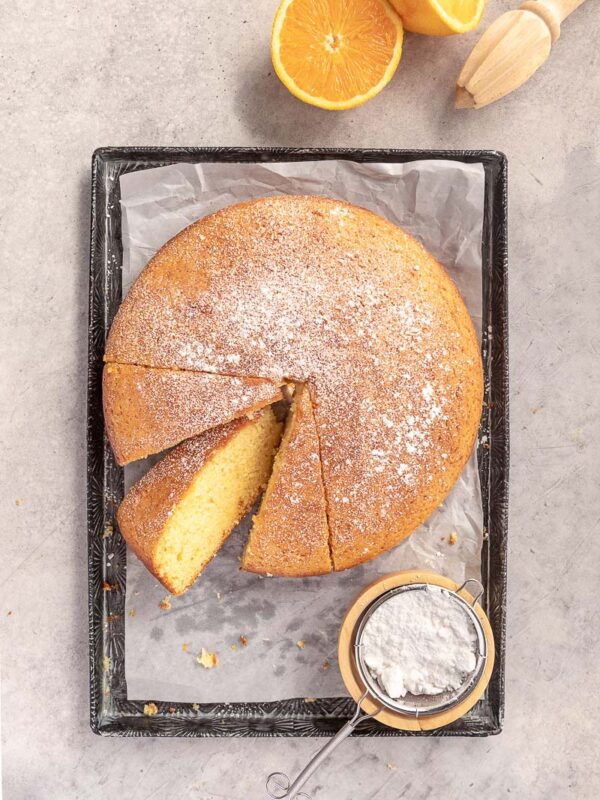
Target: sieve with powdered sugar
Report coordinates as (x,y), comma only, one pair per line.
(416,652)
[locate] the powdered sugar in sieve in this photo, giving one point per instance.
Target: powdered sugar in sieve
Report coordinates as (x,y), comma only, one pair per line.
(420,648)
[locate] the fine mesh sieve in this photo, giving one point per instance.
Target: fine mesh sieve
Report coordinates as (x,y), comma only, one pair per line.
(423,705)
(440,708)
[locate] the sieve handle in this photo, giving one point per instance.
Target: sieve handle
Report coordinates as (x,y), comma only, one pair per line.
(278,782)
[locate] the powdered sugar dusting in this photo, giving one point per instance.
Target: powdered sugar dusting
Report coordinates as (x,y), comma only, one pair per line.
(389,350)
(149,409)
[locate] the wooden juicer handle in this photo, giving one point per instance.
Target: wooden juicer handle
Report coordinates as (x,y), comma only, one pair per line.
(553,12)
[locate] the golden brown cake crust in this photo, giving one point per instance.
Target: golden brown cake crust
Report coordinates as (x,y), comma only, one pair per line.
(290,536)
(147,410)
(319,291)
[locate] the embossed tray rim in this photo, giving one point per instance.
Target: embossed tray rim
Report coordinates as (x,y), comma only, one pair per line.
(111,713)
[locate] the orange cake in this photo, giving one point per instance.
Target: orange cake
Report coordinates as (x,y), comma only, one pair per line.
(179,514)
(147,410)
(317,291)
(289,534)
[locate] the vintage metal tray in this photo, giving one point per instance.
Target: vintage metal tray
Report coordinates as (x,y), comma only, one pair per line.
(111,712)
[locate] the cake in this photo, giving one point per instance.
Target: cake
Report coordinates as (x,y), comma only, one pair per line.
(147,410)
(179,514)
(289,534)
(326,294)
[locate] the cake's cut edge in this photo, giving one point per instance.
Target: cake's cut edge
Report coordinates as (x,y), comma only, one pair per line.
(176,518)
(290,536)
(323,482)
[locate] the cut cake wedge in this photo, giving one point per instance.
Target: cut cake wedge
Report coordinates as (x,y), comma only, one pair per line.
(178,515)
(289,536)
(147,410)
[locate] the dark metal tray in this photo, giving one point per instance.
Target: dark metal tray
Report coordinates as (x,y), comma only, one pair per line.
(111,712)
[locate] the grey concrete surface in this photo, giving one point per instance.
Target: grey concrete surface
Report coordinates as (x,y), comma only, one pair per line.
(77,75)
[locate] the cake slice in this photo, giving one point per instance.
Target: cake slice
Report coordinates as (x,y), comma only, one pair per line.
(147,410)
(289,536)
(179,514)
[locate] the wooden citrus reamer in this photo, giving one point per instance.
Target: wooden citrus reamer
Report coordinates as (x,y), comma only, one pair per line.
(510,51)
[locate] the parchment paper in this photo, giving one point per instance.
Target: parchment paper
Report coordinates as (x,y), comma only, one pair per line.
(291,625)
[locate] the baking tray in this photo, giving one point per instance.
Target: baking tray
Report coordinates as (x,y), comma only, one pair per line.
(111,713)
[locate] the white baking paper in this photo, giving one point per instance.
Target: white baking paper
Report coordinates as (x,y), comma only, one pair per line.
(291,625)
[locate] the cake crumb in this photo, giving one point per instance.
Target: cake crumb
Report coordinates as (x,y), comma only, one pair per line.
(310,699)
(9,613)
(105,663)
(453,538)
(132,612)
(165,603)
(233,647)
(107,587)
(326,665)
(300,644)
(207,660)
(185,647)
(243,641)
(172,709)
(18,501)
(391,767)
(195,706)
(150,709)
(218,595)
(108,531)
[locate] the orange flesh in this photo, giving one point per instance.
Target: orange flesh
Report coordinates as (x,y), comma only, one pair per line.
(337,49)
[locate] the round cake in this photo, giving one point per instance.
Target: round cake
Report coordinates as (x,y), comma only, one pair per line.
(313,290)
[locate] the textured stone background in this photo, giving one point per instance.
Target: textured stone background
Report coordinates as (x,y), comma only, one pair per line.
(77,75)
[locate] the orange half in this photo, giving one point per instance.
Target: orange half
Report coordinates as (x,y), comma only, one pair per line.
(439,17)
(336,54)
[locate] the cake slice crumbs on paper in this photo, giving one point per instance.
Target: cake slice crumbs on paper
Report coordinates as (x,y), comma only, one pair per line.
(132,612)
(243,640)
(207,660)
(300,644)
(185,647)
(150,709)
(453,538)
(165,603)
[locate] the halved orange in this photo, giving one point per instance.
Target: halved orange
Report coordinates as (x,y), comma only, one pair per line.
(439,17)
(336,54)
